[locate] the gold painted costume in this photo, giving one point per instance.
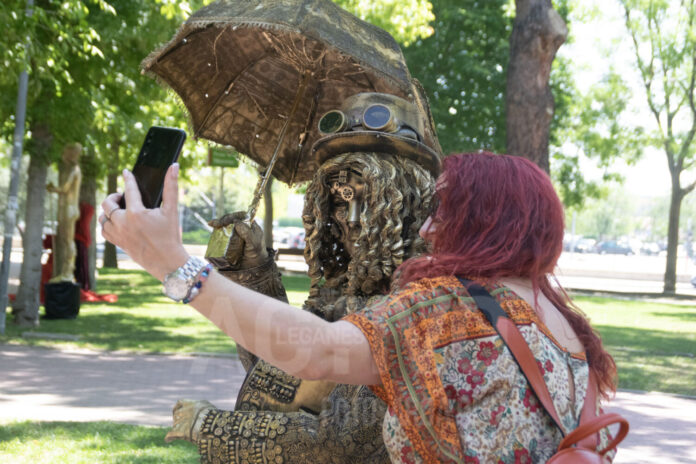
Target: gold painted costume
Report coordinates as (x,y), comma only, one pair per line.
(371,190)
(279,418)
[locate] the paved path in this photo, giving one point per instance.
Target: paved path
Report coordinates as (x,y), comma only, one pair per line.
(45,384)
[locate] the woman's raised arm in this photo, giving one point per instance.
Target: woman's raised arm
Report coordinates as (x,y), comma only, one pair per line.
(296,341)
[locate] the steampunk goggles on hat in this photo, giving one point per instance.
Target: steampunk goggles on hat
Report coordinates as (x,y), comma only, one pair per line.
(377,123)
(376,117)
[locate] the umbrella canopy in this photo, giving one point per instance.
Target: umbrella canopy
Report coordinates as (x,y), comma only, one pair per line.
(253,73)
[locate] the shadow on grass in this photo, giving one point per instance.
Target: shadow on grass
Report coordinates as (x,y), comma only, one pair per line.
(652,360)
(119,329)
(142,320)
(103,442)
(682,317)
(648,340)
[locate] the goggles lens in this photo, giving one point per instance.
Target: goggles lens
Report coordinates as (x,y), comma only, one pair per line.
(377,117)
(332,122)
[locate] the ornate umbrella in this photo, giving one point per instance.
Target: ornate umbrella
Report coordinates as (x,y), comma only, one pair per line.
(258,74)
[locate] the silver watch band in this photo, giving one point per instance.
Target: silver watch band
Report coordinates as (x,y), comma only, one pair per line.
(191,268)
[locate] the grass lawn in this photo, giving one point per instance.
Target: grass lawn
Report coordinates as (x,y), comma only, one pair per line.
(653,344)
(142,320)
(89,443)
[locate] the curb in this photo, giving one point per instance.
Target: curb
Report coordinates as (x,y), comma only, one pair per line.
(631,295)
(76,350)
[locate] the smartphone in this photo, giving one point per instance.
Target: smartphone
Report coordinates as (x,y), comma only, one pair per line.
(160,150)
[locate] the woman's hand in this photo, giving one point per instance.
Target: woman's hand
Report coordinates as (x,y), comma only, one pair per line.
(151,237)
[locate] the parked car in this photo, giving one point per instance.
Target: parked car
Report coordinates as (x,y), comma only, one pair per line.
(613,247)
(585,245)
(289,237)
(650,249)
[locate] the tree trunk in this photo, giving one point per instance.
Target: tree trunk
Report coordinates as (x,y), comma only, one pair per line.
(110,259)
(537,34)
(670,282)
(88,194)
(268,218)
(26,304)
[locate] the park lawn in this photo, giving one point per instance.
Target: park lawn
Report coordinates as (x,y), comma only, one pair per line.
(653,343)
(143,319)
(89,443)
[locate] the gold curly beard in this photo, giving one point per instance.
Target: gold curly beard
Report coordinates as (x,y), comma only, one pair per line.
(397,198)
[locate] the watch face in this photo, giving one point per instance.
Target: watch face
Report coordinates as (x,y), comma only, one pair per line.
(176,288)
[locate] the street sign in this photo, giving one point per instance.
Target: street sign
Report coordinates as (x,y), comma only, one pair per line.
(223,158)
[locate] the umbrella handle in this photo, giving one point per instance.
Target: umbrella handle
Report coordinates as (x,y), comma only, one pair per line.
(263,180)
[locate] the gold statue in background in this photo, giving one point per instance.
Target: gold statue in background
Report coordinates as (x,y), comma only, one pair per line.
(68,190)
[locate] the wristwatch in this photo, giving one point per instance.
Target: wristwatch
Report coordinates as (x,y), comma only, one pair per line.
(178,284)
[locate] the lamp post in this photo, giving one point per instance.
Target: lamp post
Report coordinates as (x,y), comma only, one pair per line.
(11,210)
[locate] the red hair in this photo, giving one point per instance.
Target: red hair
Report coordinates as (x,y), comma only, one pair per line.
(499,216)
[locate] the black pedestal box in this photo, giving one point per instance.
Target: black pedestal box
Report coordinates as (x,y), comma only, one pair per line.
(62,300)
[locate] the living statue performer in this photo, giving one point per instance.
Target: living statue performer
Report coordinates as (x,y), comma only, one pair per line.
(68,190)
(362,213)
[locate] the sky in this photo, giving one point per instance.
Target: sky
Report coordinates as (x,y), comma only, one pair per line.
(592,36)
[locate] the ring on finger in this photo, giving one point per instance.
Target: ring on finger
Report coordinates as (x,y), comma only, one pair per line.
(108,215)
(103,220)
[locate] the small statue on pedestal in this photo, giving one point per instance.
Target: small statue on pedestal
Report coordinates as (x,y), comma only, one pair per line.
(69,178)
(62,294)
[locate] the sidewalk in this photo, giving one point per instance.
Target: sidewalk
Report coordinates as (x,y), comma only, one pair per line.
(49,385)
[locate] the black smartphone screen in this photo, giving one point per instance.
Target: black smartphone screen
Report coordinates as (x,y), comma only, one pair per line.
(161,148)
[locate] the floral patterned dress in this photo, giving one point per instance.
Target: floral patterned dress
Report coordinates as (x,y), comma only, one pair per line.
(455,393)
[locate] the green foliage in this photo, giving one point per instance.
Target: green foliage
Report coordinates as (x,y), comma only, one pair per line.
(125,102)
(405,20)
(56,44)
(593,125)
(462,67)
(90,442)
(586,126)
(664,39)
(84,58)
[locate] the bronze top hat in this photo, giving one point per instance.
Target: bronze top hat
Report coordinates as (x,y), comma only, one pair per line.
(379,123)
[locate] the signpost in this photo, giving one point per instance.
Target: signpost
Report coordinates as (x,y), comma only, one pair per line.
(223,158)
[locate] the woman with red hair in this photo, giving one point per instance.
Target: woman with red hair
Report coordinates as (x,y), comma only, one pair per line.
(454,391)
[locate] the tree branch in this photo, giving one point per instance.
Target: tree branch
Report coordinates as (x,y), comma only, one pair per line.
(688,140)
(647,72)
(688,189)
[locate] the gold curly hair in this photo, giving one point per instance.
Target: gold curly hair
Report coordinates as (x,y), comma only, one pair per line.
(398,197)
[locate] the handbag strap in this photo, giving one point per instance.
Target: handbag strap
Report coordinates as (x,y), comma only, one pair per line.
(514,340)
